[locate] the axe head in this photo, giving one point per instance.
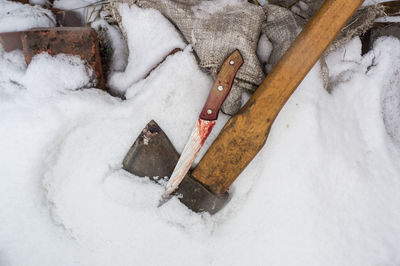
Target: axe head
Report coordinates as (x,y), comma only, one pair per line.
(153,155)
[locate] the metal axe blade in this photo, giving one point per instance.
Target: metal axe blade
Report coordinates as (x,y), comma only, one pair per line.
(153,155)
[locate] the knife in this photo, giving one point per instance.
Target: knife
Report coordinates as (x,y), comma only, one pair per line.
(205,122)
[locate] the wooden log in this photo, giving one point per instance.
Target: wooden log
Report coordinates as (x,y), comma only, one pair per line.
(246,132)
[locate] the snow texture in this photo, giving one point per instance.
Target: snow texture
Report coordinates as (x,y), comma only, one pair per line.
(150,39)
(323,191)
(15,16)
(39,2)
(373,2)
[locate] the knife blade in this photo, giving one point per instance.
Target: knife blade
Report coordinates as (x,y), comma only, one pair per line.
(205,122)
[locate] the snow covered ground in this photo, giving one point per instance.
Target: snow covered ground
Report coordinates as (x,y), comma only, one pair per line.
(323,191)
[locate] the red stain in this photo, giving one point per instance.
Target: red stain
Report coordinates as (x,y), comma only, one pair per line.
(204,127)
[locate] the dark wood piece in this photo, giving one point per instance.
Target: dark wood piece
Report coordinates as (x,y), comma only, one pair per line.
(378,30)
(174,51)
(67,18)
(22,1)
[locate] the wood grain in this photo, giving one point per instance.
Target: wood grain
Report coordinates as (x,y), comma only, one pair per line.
(246,132)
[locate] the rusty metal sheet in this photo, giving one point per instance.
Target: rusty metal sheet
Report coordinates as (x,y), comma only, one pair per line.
(80,41)
(11,40)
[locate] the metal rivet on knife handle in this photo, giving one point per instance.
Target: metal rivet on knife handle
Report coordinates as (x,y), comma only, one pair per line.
(222,86)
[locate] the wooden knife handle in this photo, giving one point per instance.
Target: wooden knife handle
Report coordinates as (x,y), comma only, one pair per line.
(222,86)
(246,132)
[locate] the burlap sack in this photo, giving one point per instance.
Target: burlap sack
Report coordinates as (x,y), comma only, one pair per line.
(214,33)
(304,8)
(281,28)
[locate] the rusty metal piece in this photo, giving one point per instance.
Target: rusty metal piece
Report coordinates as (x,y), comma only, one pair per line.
(11,41)
(153,155)
(80,41)
(379,29)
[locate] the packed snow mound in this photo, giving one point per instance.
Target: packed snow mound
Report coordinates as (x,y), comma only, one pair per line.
(15,16)
(151,37)
(56,73)
(323,191)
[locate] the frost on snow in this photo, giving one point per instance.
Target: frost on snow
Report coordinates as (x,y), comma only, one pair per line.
(323,191)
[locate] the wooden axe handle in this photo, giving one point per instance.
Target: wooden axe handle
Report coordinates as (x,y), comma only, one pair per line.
(246,132)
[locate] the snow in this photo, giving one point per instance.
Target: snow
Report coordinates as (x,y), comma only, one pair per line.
(264,49)
(56,74)
(208,8)
(323,191)
(150,40)
(38,2)
(74,4)
(373,2)
(16,17)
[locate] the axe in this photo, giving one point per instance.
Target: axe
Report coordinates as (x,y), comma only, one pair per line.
(206,187)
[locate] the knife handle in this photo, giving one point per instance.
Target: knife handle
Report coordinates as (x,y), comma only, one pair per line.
(222,86)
